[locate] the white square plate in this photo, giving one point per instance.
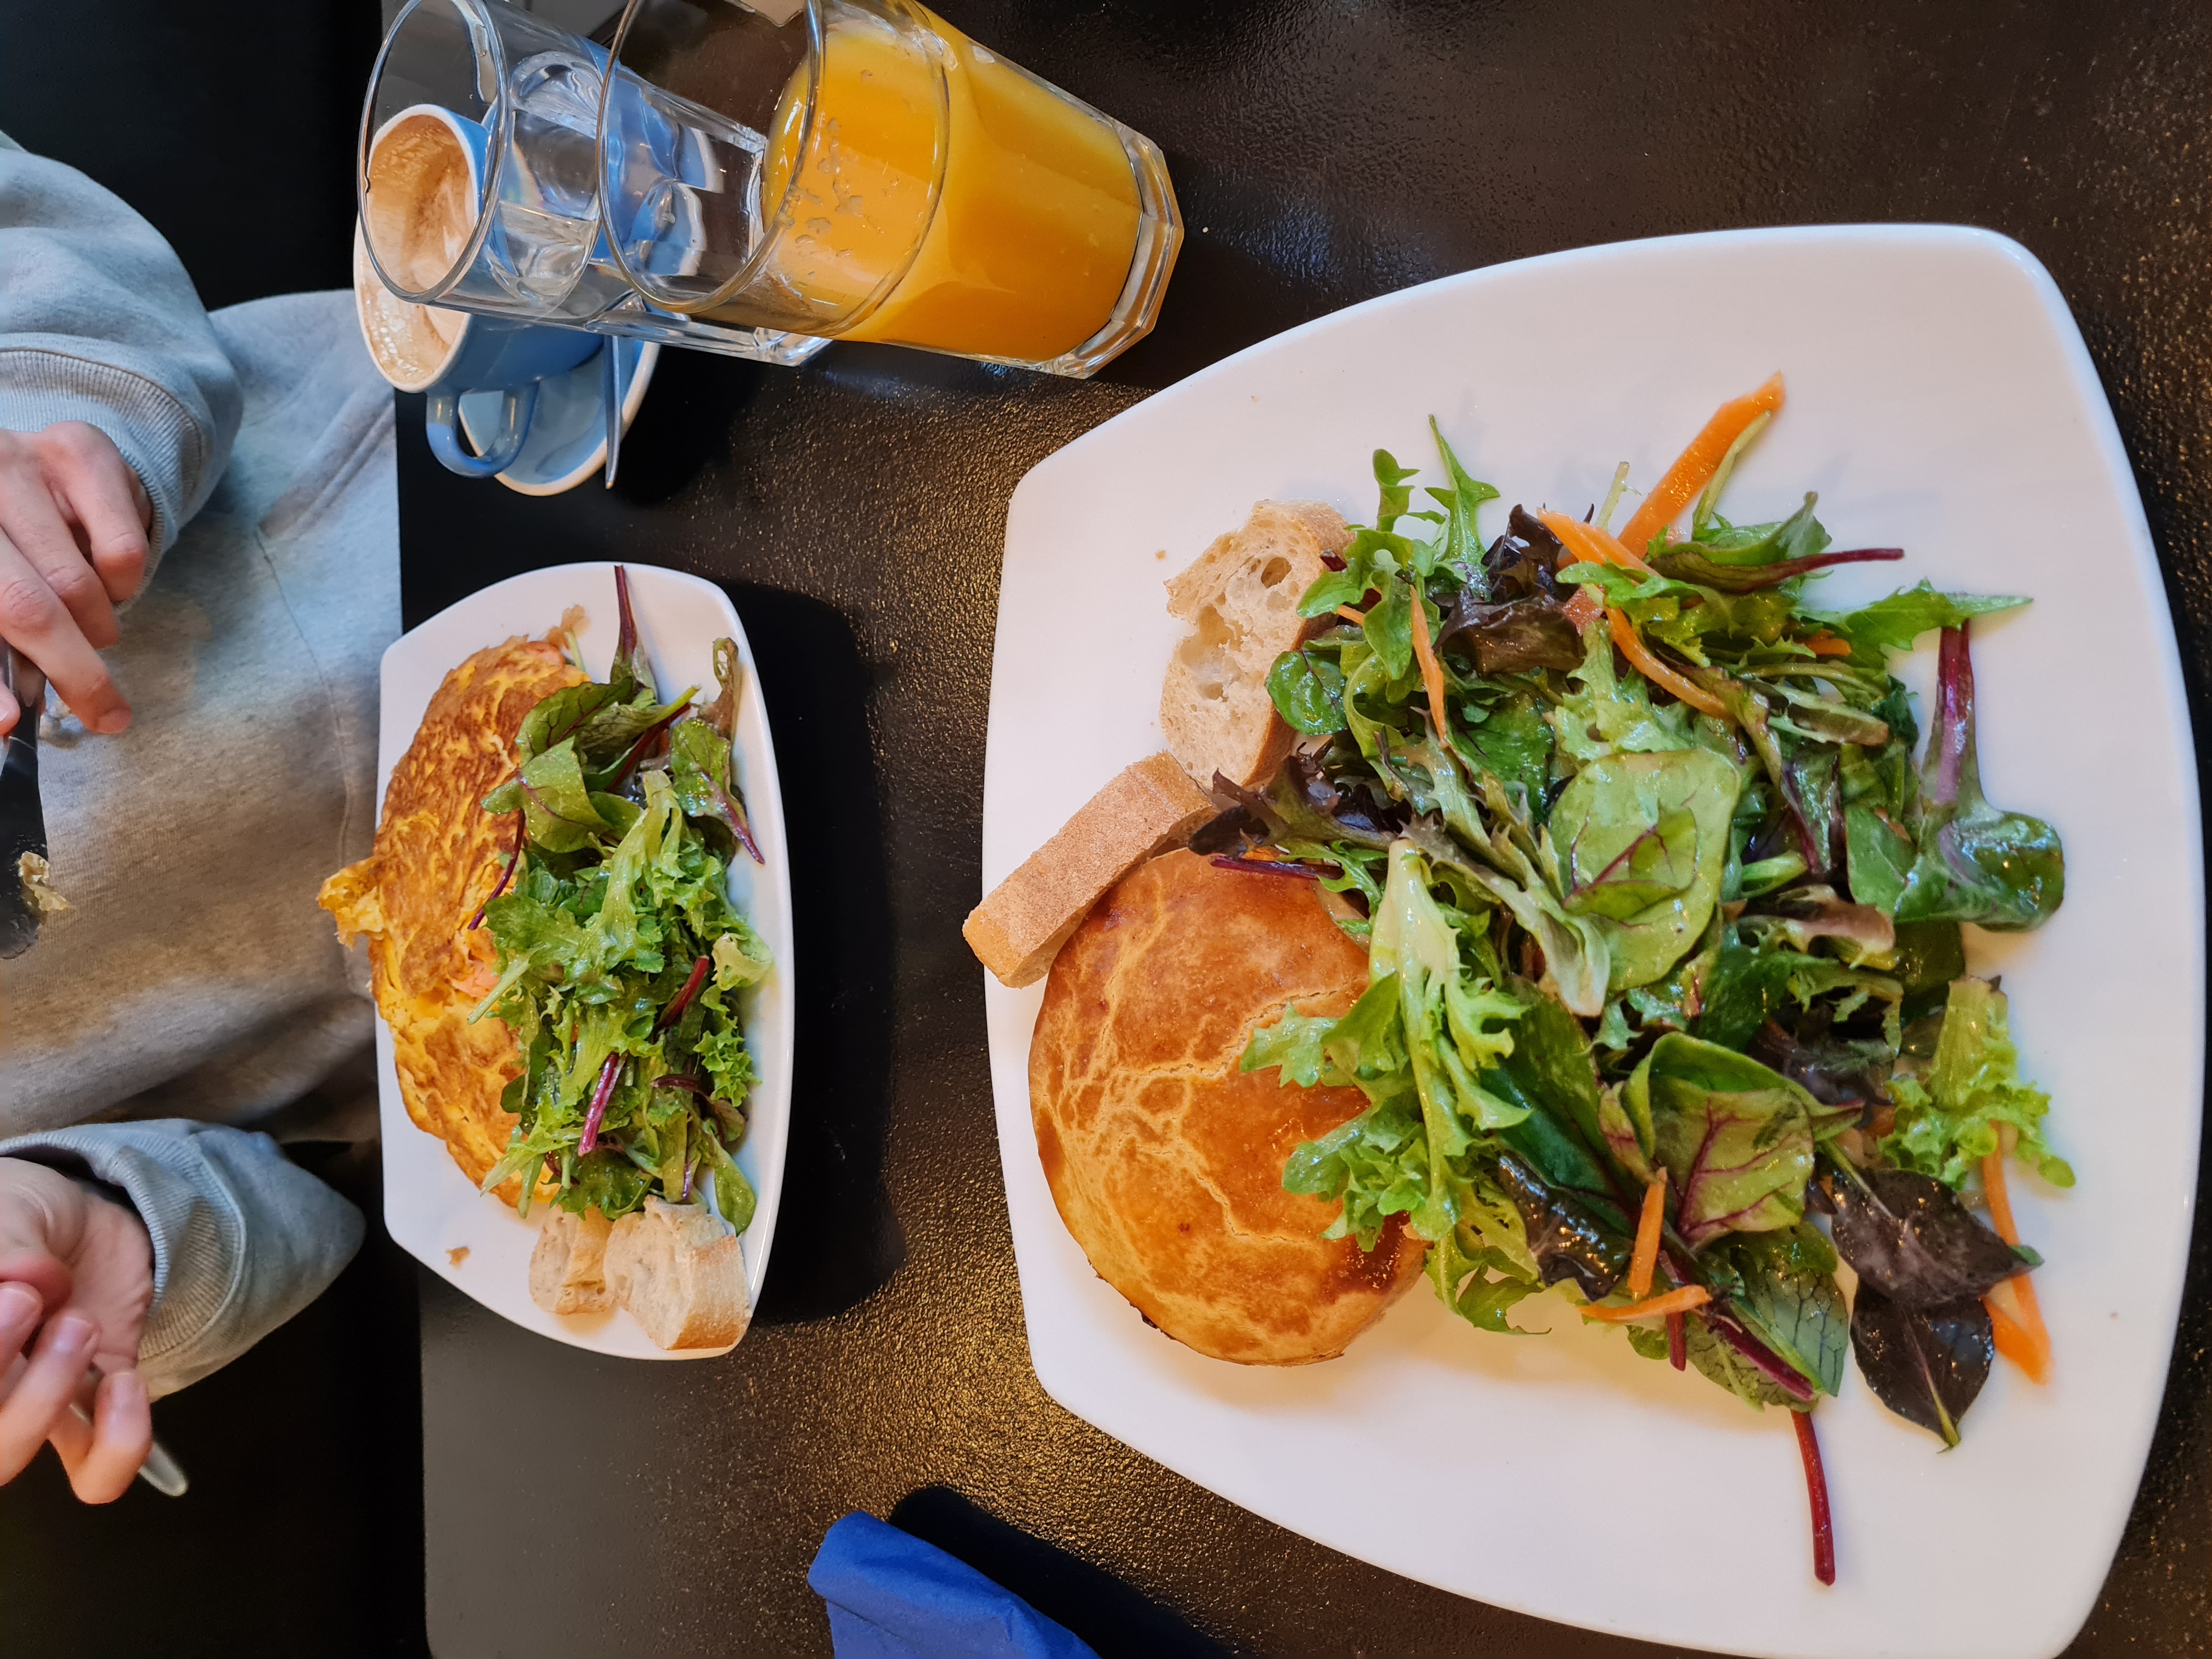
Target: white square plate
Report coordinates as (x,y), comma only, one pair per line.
(431,1208)
(1939,398)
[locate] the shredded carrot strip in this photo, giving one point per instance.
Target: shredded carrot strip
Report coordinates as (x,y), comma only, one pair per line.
(2029,1346)
(1993,1188)
(1681,1301)
(1357,618)
(1593,546)
(1432,671)
(1632,647)
(1590,544)
(2014,1340)
(1694,470)
(1825,644)
(1646,1258)
(1615,549)
(2003,1324)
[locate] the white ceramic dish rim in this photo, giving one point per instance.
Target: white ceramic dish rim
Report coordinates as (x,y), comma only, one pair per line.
(1043,1260)
(430,1208)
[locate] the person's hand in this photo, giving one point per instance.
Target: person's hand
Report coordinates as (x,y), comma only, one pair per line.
(74,519)
(77,1271)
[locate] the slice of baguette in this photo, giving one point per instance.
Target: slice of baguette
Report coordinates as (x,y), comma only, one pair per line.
(1144,809)
(1241,598)
(680,1273)
(568,1268)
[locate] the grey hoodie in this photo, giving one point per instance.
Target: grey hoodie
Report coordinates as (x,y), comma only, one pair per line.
(195,986)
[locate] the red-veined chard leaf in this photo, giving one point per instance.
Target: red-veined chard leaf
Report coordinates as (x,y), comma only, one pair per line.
(1632,807)
(2005,870)
(1736,1137)
(1783,1287)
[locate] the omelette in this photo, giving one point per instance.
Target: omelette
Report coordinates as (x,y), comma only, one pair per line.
(437,857)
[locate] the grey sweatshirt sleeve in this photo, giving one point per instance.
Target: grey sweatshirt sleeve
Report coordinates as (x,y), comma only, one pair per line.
(100,323)
(242,1239)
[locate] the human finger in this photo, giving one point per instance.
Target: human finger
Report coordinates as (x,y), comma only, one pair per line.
(103,1458)
(31,516)
(20,1309)
(38,624)
(70,1436)
(97,488)
(49,1382)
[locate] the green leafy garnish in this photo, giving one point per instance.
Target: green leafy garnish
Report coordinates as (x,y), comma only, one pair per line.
(1949,1119)
(621,964)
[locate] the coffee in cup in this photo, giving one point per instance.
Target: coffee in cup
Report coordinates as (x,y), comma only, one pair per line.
(421,209)
(410,343)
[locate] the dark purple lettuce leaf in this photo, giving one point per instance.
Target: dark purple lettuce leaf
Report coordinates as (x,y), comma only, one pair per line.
(1834,1071)
(1519,563)
(1514,637)
(1567,1240)
(1229,832)
(1818,911)
(1910,1238)
(1299,804)
(1927,1364)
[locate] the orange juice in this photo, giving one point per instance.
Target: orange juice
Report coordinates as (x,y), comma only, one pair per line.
(1014,241)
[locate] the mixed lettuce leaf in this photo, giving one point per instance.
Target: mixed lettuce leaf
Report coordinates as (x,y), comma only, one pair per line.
(1695,933)
(621,964)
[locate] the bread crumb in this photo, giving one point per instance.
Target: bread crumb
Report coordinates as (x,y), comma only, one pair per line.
(458,1254)
(1162,554)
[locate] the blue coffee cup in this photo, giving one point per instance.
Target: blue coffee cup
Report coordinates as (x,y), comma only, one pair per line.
(426,154)
(508,358)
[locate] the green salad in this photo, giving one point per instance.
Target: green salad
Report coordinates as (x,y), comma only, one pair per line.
(1663,922)
(621,962)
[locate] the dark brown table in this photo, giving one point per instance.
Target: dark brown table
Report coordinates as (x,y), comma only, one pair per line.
(1324,152)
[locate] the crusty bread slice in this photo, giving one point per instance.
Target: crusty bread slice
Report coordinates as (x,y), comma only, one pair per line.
(1144,809)
(1327,524)
(1241,599)
(568,1268)
(681,1274)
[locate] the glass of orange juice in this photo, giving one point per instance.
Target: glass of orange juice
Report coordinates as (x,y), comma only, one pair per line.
(859,169)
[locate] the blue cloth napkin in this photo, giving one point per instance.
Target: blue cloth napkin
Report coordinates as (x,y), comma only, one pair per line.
(892,1596)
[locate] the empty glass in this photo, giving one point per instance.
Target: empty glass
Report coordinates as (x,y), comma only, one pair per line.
(478,178)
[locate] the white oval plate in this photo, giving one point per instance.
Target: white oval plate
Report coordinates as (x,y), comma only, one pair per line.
(1939,398)
(431,1208)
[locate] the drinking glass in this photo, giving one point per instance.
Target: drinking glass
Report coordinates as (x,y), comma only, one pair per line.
(861,169)
(478,178)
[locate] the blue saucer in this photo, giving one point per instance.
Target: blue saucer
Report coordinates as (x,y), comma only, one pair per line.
(568,435)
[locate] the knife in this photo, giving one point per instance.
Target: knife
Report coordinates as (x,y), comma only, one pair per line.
(22,821)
